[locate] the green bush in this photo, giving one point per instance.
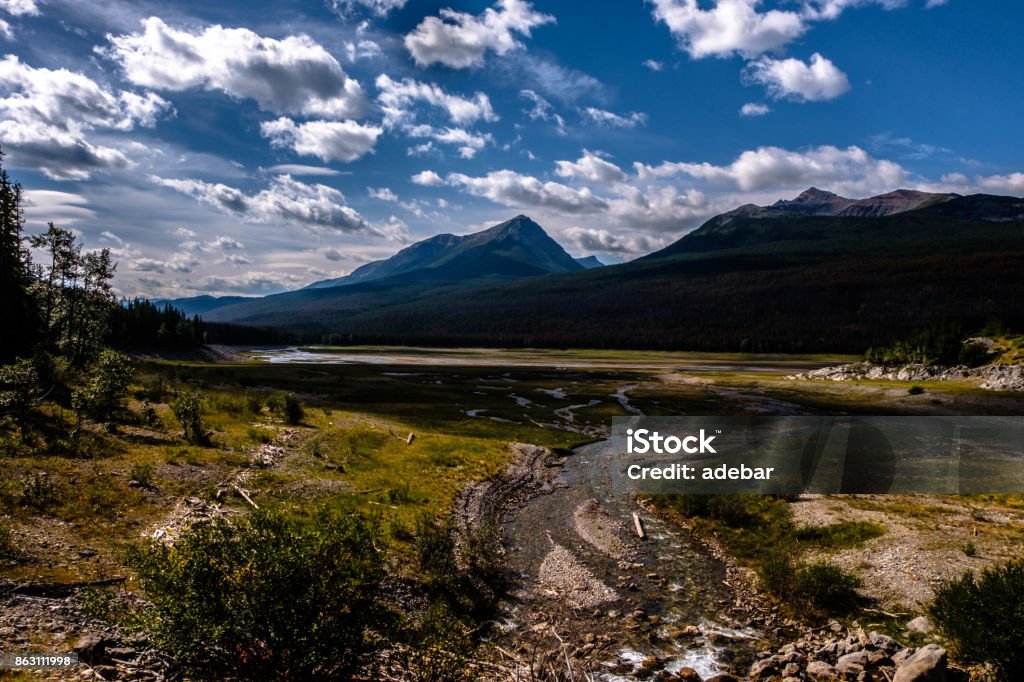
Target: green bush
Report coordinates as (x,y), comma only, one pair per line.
(983,617)
(19,388)
(107,386)
(187,409)
(6,541)
(840,535)
(142,474)
(265,596)
(287,407)
(435,547)
(777,573)
(37,490)
(827,587)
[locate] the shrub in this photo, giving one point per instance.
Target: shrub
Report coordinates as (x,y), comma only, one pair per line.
(37,490)
(19,388)
(777,573)
(142,474)
(983,617)
(970,549)
(287,407)
(6,541)
(150,418)
(827,587)
(840,535)
(107,386)
(265,596)
(435,547)
(187,408)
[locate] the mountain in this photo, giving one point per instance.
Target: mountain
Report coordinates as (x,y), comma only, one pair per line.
(775,279)
(589,262)
(201,305)
(515,248)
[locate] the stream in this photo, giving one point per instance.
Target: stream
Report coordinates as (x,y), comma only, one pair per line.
(676,585)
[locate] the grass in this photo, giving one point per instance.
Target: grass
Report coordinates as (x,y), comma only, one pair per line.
(840,535)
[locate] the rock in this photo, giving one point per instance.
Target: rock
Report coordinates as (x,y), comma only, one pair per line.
(852,664)
(688,674)
(829,652)
(763,669)
(820,670)
(791,670)
(722,677)
(920,625)
(121,652)
(902,655)
(91,648)
(884,643)
(878,658)
(928,664)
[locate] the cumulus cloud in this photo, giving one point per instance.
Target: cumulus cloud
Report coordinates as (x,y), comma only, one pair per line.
(468,143)
(396,98)
(831,9)
(613,120)
(427,178)
(46,114)
(461,40)
(252,283)
(850,170)
(329,140)
(510,188)
(729,27)
(654,65)
(1012,184)
(590,167)
(817,81)
(295,75)
(753,109)
(19,8)
(589,239)
(286,200)
(382,193)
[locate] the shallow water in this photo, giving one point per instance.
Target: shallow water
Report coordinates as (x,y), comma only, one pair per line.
(688,589)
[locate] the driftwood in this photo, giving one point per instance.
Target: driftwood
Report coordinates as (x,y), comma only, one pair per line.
(639,526)
(247,498)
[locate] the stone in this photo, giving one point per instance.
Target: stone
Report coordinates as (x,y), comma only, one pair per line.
(878,658)
(852,664)
(902,655)
(884,643)
(722,677)
(688,674)
(928,664)
(920,625)
(763,669)
(820,670)
(791,670)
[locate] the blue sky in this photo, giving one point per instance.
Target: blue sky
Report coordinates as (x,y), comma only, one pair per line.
(253,147)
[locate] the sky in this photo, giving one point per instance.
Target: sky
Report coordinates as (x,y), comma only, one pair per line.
(246,148)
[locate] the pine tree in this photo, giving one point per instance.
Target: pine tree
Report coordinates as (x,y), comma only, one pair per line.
(16,312)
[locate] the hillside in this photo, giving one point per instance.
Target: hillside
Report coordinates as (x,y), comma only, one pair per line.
(770,282)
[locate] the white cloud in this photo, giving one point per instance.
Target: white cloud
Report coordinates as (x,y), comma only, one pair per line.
(461,40)
(46,114)
(831,9)
(252,283)
(329,140)
(382,193)
(654,65)
(362,49)
(396,98)
(286,200)
(63,208)
(19,8)
(468,143)
(589,239)
(379,7)
(753,109)
(1012,184)
(543,110)
(851,170)
(818,81)
(509,188)
(590,167)
(613,120)
(300,169)
(427,178)
(729,27)
(932,4)
(295,75)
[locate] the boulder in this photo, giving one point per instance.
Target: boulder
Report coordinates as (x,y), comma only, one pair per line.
(852,664)
(688,674)
(820,670)
(722,677)
(884,643)
(920,625)
(763,669)
(928,664)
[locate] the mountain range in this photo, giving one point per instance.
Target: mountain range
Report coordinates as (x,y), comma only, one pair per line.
(819,272)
